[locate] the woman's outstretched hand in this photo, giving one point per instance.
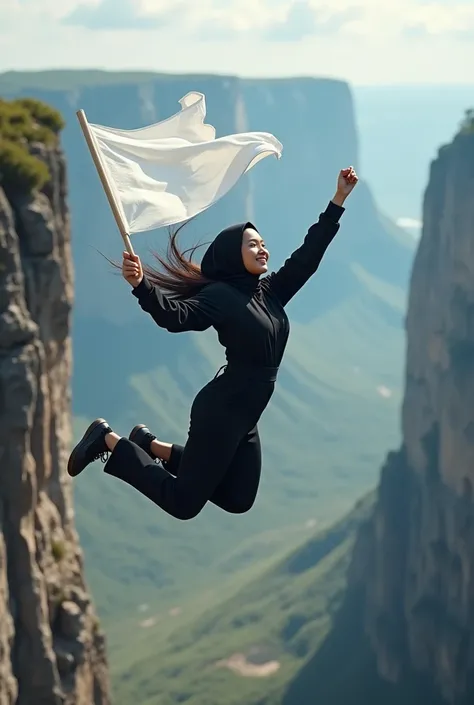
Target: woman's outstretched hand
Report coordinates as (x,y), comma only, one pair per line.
(346,181)
(132,270)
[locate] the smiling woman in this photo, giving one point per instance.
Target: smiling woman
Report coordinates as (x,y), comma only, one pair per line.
(221,461)
(254,253)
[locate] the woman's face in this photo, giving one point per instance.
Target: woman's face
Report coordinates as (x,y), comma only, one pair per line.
(254,253)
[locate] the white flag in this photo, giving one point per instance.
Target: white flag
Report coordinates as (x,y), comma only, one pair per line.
(168,172)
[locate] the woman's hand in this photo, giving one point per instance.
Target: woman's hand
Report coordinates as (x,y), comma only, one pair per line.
(346,181)
(132,270)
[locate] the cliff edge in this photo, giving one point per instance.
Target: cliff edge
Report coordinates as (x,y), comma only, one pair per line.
(52,650)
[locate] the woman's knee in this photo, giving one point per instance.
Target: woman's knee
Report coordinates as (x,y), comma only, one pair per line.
(238,505)
(185,511)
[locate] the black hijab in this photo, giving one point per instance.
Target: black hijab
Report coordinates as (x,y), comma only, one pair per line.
(222,260)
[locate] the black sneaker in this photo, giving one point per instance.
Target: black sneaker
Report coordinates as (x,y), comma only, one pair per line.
(91,447)
(142,436)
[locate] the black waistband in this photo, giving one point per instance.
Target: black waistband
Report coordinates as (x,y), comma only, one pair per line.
(262,374)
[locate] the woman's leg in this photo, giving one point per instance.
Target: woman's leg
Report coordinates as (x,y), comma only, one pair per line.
(215,432)
(161,450)
(206,457)
(142,436)
(237,491)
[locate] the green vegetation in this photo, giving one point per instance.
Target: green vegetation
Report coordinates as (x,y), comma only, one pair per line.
(19,170)
(343,670)
(294,631)
(24,122)
(44,116)
(273,625)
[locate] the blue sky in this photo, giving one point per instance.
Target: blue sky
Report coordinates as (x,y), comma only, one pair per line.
(362,41)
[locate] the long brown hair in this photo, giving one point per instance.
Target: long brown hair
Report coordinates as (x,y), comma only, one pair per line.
(179,276)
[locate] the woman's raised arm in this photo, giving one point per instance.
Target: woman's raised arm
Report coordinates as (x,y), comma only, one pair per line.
(304,261)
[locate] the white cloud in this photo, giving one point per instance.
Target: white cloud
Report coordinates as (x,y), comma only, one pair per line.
(229,17)
(409,223)
(362,41)
(290,20)
(286,18)
(124,14)
(293,19)
(438,19)
(47,9)
(394,17)
(306,19)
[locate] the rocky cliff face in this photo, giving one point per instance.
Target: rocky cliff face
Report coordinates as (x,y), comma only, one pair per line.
(421,595)
(412,575)
(51,647)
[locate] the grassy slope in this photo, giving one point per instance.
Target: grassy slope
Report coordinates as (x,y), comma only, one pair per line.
(282,616)
(343,671)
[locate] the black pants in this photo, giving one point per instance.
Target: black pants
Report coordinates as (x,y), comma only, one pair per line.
(221,461)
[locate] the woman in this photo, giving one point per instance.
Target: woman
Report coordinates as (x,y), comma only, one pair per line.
(221,460)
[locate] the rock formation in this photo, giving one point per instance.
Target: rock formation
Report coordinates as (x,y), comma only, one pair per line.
(412,577)
(421,594)
(52,650)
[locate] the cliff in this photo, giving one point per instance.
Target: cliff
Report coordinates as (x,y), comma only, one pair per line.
(52,650)
(423,589)
(406,633)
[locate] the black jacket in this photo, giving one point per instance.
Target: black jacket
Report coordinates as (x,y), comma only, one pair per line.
(252,326)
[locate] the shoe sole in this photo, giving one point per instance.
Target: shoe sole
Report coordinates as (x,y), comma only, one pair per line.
(73,455)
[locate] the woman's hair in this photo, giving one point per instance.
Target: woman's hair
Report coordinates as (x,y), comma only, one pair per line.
(179,276)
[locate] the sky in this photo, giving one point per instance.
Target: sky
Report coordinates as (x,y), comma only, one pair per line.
(365,42)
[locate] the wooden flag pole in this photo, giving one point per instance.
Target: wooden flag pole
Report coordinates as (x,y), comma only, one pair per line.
(81,116)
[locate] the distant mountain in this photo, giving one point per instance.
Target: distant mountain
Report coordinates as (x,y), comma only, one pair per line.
(335,412)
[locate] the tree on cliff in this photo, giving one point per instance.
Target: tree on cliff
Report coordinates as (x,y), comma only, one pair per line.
(24,122)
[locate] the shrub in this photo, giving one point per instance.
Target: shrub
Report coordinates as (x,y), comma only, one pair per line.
(19,170)
(22,122)
(45,115)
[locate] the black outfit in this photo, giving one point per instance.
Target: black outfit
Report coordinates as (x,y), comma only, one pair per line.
(221,460)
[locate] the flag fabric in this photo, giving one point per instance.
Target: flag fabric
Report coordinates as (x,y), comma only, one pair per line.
(169,172)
